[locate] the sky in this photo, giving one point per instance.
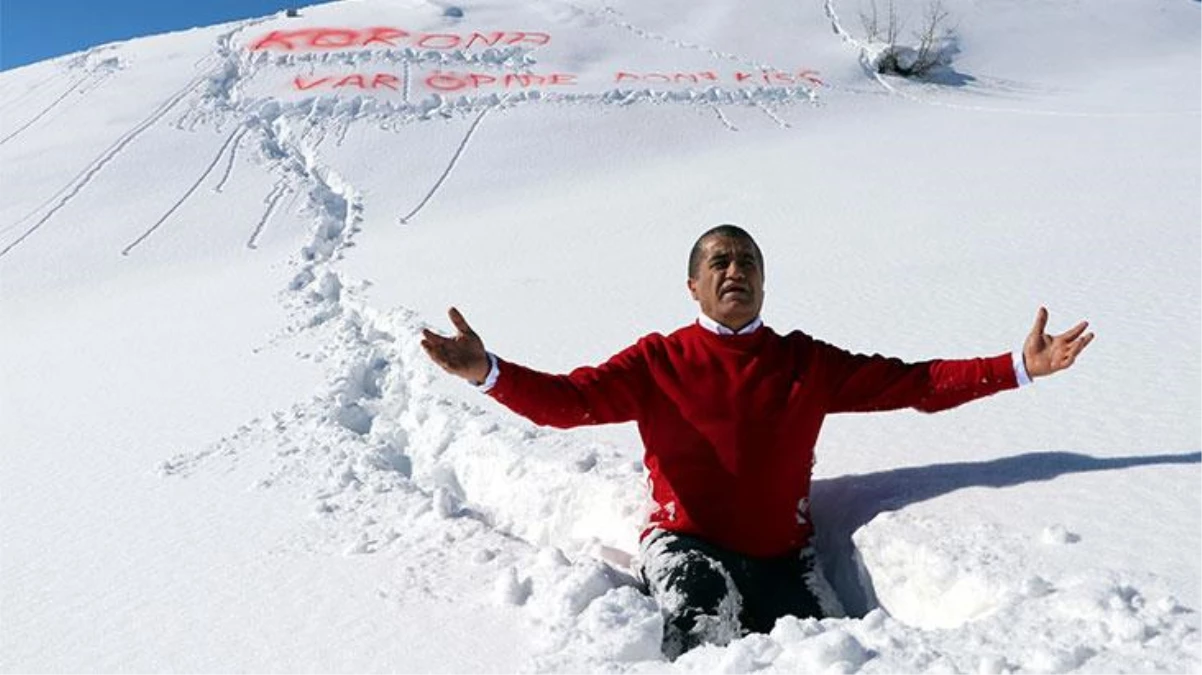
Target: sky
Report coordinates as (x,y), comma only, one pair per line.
(34,30)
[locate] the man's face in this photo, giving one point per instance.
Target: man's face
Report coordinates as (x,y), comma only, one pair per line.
(730,281)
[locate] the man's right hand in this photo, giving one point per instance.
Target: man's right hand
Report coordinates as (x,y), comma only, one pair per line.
(462,355)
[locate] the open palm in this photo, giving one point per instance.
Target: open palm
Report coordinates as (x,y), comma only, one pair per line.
(461,355)
(1045,354)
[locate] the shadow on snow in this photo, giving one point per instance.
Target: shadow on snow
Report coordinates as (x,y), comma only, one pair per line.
(843,504)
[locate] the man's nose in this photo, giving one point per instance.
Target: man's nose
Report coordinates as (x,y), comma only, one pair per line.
(735,271)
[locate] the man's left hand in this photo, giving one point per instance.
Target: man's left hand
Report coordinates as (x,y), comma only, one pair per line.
(1045,354)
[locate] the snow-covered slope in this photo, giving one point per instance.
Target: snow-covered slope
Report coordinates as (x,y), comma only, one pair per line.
(224,450)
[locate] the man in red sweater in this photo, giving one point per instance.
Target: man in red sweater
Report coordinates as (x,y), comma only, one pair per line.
(729,412)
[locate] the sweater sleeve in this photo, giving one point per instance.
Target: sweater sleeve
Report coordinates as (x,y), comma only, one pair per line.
(861,383)
(611,392)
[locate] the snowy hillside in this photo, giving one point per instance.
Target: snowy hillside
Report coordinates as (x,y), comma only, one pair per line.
(223,448)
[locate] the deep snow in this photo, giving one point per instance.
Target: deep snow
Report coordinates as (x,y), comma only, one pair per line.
(224,450)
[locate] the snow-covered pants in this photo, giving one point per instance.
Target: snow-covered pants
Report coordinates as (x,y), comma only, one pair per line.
(709,594)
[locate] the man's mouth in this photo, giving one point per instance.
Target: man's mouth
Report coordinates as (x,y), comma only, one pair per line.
(734,289)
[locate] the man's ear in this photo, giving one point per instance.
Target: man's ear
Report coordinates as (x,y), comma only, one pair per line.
(692,284)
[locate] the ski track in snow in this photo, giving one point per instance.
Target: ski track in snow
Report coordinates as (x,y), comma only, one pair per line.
(226,145)
(75,86)
(467,137)
(96,70)
(272,199)
(723,118)
(81,180)
(10,103)
(233,154)
(772,116)
(73,187)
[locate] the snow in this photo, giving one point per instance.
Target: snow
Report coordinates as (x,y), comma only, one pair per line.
(223,448)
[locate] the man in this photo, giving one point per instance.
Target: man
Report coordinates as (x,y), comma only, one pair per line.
(729,412)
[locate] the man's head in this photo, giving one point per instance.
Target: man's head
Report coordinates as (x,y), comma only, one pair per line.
(726,275)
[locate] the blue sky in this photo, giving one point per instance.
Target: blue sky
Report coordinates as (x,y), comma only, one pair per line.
(33,30)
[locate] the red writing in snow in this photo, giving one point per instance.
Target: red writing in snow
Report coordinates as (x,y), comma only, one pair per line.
(443,81)
(376,81)
(766,77)
(438,81)
(343,38)
(448,81)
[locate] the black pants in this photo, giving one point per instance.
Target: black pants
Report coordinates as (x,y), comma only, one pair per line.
(709,594)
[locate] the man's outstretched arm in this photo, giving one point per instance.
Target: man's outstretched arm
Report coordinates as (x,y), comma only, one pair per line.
(611,392)
(866,383)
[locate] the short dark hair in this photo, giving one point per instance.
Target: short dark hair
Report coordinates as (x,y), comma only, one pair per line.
(723,230)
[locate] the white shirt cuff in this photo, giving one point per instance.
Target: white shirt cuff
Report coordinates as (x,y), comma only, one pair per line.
(1020,369)
(493,371)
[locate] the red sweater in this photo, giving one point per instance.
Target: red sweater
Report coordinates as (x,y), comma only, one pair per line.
(729,422)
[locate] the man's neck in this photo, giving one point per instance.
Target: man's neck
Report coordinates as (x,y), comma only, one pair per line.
(720,328)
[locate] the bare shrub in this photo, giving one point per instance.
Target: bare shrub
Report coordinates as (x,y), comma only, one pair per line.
(934,41)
